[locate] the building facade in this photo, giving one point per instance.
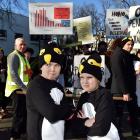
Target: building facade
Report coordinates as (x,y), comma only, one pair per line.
(15,25)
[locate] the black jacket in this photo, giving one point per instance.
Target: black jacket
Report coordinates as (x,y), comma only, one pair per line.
(40,104)
(102,102)
(123,73)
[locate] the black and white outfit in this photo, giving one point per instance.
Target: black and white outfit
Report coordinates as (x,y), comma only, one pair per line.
(98,104)
(46,110)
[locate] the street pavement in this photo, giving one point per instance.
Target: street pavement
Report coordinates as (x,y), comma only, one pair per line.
(5,125)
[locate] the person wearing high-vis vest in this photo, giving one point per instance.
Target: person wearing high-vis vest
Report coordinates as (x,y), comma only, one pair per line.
(18,75)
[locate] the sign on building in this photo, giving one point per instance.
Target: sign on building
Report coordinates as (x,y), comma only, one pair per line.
(51,18)
(84,30)
(117,22)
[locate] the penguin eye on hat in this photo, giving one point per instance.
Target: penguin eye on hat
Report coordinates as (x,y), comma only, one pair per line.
(127,38)
(81,67)
(93,62)
(57,50)
(47,58)
(83,60)
(42,51)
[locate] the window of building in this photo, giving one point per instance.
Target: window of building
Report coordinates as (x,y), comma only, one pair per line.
(34,37)
(17,35)
(3,34)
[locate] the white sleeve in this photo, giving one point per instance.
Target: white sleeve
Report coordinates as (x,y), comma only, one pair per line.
(136,65)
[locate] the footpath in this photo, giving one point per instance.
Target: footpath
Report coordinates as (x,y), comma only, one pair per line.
(5,125)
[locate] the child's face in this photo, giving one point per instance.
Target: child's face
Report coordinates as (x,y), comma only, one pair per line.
(88,82)
(138,55)
(51,71)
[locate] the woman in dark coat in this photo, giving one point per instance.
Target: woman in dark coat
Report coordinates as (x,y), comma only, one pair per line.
(124,83)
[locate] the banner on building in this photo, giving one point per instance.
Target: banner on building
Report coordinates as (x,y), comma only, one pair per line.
(117,22)
(84,29)
(51,18)
(134,22)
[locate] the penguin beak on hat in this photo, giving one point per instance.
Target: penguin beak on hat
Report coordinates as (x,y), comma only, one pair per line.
(47,58)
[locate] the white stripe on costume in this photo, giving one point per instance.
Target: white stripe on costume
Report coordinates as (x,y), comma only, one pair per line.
(53,131)
(89,111)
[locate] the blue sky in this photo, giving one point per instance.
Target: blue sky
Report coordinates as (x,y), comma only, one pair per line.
(97,4)
(77,2)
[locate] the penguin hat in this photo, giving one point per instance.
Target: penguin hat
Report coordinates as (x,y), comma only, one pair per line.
(92,65)
(52,53)
(126,39)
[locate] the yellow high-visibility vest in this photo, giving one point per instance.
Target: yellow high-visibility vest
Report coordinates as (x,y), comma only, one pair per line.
(24,66)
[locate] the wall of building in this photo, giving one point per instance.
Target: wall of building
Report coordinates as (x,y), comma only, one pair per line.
(13,24)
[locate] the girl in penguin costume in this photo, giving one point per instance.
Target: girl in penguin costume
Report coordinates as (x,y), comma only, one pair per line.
(95,104)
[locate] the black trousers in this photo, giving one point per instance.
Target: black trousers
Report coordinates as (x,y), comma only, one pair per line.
(4,101)
(132,108)
(19,115)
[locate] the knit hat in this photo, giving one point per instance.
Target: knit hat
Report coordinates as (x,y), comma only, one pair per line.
(30,50)
(1,49)
(52,53)
(125,40)
(92,65)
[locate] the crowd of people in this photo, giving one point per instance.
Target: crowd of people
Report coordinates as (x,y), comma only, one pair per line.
(43,112)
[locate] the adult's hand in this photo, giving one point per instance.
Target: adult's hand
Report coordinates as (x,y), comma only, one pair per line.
(126,97)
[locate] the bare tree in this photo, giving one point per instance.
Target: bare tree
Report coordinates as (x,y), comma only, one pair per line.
(7,5)
(126,3)
(16,6)
(106,4)
(89,10)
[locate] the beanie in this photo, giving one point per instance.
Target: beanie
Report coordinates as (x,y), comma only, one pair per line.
(52,53)
(92,65)
(1,50)
(30,50)
(125,40)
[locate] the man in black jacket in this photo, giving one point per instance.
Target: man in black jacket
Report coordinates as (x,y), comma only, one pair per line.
(124,83)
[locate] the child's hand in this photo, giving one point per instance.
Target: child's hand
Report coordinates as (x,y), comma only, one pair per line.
(90,122)
(81,115)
